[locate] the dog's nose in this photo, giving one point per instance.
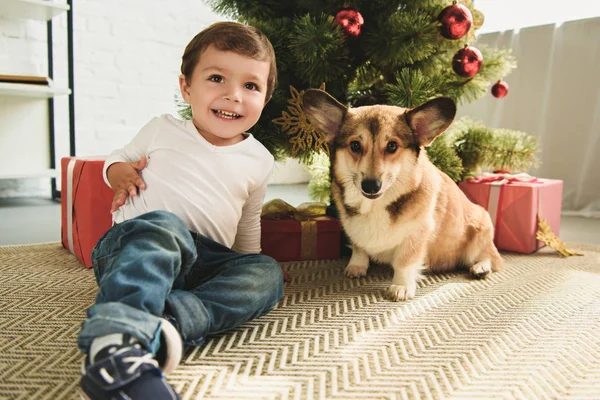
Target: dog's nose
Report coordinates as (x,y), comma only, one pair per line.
(371,186)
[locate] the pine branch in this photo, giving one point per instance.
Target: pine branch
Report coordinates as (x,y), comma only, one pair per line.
(412,88)
(403,39)
(367,75)
(320,52)
(497,63)
(442,154)
(482,147)
(237,9)
(183,109)
(515,151)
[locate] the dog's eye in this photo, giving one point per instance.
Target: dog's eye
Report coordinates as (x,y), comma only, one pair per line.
(391,147)
(355,146)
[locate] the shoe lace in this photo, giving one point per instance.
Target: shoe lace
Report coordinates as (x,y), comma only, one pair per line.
(136,362)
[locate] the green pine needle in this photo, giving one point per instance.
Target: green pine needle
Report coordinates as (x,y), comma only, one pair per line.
(319,49)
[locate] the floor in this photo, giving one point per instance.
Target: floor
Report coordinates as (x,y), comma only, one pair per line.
(37,220)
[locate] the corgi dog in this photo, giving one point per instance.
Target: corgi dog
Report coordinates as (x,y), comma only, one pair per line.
(395,206)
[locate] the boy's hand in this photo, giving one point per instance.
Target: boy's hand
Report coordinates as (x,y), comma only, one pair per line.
(287,278)
(125,180)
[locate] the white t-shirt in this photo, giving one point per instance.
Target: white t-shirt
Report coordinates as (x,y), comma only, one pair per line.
(218,191)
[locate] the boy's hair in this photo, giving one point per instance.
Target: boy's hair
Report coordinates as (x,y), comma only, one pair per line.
(242,39)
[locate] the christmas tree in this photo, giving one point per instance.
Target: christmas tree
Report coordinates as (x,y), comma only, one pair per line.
(381,52)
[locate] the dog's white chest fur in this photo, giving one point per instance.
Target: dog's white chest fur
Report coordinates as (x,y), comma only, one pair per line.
(375,232)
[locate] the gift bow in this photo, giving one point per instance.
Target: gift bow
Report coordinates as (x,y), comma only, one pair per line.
(307,213)
(279,209)
(503,178)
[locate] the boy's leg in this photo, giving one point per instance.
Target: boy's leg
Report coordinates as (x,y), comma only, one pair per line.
(223,290)
(136,264)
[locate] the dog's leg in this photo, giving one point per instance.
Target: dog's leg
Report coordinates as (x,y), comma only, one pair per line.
(407,264)
(481,269)
(404,283)
(489,261)
(358,265)
(481,253)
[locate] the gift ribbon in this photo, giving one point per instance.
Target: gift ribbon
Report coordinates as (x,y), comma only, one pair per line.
(308,240)
(307,213)
(69,201)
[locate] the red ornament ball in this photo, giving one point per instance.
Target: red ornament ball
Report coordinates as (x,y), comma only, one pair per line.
(350,20)
(467,61)
(456,21)
(500,89)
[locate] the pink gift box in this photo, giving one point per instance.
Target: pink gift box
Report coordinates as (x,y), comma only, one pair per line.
(516,206)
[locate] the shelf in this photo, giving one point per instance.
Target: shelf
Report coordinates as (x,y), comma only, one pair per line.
(47,173)
(42,10)
(38,91)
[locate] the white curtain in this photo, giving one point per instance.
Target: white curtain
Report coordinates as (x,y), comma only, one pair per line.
(554,93)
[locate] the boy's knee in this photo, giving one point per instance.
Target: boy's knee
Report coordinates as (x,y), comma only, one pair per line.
(272,274)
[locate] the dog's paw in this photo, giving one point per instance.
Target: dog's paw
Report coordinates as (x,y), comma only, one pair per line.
(356,271)
(402,293)
(482,269)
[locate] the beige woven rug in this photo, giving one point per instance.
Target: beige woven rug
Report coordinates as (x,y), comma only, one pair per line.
(529,332)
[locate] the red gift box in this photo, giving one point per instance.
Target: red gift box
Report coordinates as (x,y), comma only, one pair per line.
(514,203)
(85,205)
(293,240)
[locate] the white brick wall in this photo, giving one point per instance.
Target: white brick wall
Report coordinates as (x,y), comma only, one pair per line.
(127,58)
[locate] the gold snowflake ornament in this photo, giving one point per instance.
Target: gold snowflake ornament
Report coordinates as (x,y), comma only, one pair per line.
(545,234)
(303,136)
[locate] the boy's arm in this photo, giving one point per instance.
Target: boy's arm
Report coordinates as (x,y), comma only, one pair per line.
(123,166)
(247,238)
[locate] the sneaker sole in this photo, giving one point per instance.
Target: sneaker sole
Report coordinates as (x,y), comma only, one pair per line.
(174,348)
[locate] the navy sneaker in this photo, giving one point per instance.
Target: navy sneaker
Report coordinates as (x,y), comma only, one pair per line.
(124,371)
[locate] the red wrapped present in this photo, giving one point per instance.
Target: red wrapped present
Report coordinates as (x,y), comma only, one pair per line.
(85,205)
(303,233)
(514,203)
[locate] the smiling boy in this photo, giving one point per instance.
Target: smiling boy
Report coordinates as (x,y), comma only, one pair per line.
(182,261)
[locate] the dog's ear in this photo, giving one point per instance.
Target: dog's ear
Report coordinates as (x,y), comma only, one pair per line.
(431,119)
(323,111)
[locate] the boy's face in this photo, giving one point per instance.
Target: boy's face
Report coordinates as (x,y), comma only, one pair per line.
(227,94)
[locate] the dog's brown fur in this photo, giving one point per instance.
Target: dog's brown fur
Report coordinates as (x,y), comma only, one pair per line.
(395,206)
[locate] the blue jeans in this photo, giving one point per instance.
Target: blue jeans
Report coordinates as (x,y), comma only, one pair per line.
(153,261)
